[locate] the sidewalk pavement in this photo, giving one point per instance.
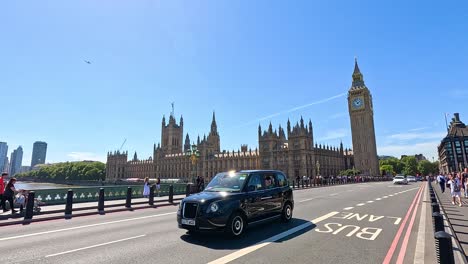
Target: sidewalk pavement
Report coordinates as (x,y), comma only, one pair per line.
(457,216)
(50,212)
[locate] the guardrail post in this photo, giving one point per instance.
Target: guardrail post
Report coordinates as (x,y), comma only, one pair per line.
(171,193)
(101,201)
(29,206)
(438,222)
(435,208)
(151,195)
(187,190)
(128,202)
(69,205)
(444,248)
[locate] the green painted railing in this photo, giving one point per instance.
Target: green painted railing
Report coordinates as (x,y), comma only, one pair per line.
(91,194)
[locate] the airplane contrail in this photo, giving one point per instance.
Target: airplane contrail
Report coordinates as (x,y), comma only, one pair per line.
(321,101)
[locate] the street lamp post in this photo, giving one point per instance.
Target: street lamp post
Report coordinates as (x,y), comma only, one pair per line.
(193,154)
(317,164)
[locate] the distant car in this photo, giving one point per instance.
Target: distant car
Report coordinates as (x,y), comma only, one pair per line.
(232,200)
(400,179)
(411,179)
(419,178)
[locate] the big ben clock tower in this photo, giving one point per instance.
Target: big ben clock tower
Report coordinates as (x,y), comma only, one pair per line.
(361,114)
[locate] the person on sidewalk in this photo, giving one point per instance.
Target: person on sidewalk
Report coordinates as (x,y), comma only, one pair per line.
(158,185)
(455,188)
(2,189)
(146,188)
(8,195)
(441,181)
(465,181)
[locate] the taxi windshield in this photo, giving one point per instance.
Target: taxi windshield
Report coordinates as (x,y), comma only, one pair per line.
(227,182)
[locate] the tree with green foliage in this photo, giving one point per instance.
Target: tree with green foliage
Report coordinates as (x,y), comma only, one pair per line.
(410,165)
(349,172)
(394,162)
(386,169)
(73,171)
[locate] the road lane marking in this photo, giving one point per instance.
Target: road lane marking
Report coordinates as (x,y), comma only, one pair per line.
(307,200)
(333,194)
(98,245)
(348,208)
(404,245)
(385,197)
(360,204)
(378,199)
(369,201)
(247,250)
(394,244)
(84,226)
(420,241)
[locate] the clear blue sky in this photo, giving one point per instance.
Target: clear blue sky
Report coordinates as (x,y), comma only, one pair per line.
(245,59)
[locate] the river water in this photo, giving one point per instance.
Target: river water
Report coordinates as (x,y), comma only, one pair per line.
(40,185)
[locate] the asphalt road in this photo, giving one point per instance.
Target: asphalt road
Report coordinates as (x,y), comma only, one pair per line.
(359,223)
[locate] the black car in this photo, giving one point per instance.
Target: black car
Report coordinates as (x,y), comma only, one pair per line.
(232,200)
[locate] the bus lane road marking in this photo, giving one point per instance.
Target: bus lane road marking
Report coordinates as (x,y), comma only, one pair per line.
(351,230)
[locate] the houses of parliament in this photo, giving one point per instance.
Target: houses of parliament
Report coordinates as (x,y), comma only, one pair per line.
(291,149)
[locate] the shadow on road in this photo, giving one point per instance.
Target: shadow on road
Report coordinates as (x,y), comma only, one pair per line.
(254,234)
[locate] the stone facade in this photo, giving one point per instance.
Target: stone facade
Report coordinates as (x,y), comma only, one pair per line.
(453,149)
(361,114)
(295,154)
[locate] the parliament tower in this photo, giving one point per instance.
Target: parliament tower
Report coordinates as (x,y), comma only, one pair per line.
(362,125)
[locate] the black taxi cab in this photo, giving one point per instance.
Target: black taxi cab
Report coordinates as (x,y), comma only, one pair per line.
(234,199)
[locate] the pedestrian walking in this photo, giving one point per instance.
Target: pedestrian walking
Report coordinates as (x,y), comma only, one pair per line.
(146,188)
(158,185)
(2,189)
(455,189)
(8,195)
(441,181)
(465,181)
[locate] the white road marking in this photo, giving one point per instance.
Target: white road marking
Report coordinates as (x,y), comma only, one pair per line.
(369,201)
(308,199)
(247,250)
(98,245)
(385,197)
(420,241)
(84,226)
(348,208)
(378,199)
(334,194)
(360,204)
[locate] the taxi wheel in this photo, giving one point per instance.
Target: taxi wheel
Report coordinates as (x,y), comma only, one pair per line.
(286,215)
(236,225)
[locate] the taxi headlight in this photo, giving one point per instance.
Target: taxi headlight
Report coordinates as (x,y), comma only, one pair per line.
(214,207)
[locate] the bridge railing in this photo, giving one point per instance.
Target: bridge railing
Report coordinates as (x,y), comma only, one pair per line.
(91,194)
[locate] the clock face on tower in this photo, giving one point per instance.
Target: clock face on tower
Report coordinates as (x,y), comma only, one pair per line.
(357,103)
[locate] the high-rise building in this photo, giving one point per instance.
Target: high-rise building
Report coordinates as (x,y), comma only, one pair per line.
(6,167)
(39,153)
(361,114)
(3,155)
(16,161)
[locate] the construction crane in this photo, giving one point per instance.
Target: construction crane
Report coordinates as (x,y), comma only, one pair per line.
(122,144)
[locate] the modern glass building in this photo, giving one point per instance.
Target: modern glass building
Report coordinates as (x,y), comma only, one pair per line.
(39,153)
(16,161)
(3,156)
(453,150)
